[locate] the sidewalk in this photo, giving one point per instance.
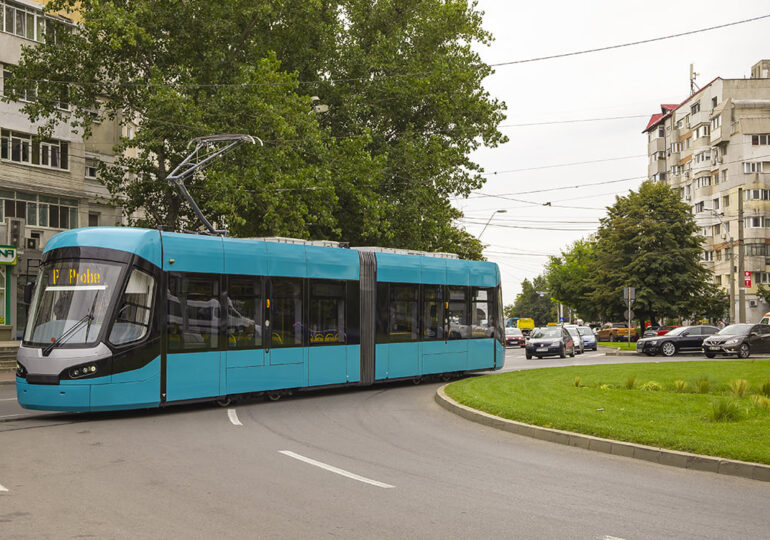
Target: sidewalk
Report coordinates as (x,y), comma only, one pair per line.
(7,378)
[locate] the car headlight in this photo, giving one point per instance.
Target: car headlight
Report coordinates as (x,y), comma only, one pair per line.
(732,341)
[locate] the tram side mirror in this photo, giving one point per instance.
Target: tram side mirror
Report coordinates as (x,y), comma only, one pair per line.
(28,292)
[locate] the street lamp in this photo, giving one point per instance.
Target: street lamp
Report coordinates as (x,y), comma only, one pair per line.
(490,219)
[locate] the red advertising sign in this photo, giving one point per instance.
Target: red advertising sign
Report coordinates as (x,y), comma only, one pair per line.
(747,278)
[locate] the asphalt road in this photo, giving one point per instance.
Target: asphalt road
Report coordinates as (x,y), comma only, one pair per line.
(383,462)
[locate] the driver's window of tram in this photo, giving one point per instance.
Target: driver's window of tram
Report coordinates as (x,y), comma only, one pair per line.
(132,321)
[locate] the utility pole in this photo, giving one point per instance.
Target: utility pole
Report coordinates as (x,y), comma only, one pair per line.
(741,286)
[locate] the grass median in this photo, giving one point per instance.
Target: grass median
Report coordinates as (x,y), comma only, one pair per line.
(622,345)
(713,408)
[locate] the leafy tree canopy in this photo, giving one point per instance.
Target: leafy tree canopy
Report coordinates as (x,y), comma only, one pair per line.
(649,241)
(569,278)
(400,77)
(533,304)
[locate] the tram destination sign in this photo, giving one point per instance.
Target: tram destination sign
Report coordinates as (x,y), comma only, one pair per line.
(8,255)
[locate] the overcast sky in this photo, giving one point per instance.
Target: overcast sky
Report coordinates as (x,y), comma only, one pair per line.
(630,81)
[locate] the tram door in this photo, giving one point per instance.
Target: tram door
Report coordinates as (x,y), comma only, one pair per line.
(245,354)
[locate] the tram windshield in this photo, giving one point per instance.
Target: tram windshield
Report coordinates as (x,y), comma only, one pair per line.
(71,302)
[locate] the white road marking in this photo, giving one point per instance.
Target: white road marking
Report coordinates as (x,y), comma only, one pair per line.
(8,399)
(2,488)
(12,415)
(611,538)
(233,416)
(335,469)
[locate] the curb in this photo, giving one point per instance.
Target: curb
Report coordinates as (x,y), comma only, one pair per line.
(662,456)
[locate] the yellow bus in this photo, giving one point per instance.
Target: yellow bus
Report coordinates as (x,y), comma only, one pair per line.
(525,325)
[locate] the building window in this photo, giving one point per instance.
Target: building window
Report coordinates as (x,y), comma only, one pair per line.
(703,181)
(23,148)
(92,166)
(695,108)
(661,131)
(760,139)
(716,122)
(40,210)
(701,131)
(755,250)
(93,219)
(752,167)
(756,195)
(715,204)
(756,222)
(699,207)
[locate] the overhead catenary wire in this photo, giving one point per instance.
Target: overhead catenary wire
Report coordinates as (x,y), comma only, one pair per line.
(377,77)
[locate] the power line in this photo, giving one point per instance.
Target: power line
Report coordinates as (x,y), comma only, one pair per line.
(494,173)
(629,44)
(574,121)
(373,77)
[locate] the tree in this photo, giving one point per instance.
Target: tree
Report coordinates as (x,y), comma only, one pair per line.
(401,79)
(531,303)
(649,241)
(569,278)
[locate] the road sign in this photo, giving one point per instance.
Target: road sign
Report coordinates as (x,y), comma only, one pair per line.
(747,278)
(629,293)
(629,314)
(561,319)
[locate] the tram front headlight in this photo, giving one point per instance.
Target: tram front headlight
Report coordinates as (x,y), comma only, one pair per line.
(85,370)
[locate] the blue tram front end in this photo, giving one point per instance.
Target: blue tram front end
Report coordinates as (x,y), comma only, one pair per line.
(93,340)
(126,318)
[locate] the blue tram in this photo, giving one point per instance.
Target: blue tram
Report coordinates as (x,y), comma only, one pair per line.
(125,318)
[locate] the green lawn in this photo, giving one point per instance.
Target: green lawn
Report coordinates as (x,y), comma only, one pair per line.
(595,400)
(622,345)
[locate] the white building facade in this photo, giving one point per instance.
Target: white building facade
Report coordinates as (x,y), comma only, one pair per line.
(714,148)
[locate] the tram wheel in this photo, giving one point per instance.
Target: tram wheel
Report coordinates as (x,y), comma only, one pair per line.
(417,380)
(274,396)
(224,402)
(446,377)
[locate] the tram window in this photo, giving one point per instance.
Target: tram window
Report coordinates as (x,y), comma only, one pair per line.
(432,308)
(458,313)
(327,312)
(286,308)
(481,313)
(403,313)
(353,313)
(193,312)
(244,313)
(383,301)
(132,321)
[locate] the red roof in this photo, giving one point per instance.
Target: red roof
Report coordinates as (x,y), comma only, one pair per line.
(654,119)
(666,110)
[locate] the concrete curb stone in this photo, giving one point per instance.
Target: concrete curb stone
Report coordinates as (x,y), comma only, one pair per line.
(662,456)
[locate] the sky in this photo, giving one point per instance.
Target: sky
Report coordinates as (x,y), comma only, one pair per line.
(629,81)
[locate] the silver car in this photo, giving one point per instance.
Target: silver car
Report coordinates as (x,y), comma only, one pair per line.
(576,337)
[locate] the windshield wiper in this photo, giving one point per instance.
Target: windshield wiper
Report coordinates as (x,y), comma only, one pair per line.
(87,318)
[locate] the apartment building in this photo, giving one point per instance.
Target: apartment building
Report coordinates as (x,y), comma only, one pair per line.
(714,148)
(46,185)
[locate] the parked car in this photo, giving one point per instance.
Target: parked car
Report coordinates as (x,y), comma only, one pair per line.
(663,330)
(739,339)
(588,337)
(573,331)
(616,332)
(514,337)
(549,341)
(650,331)
(683,338)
